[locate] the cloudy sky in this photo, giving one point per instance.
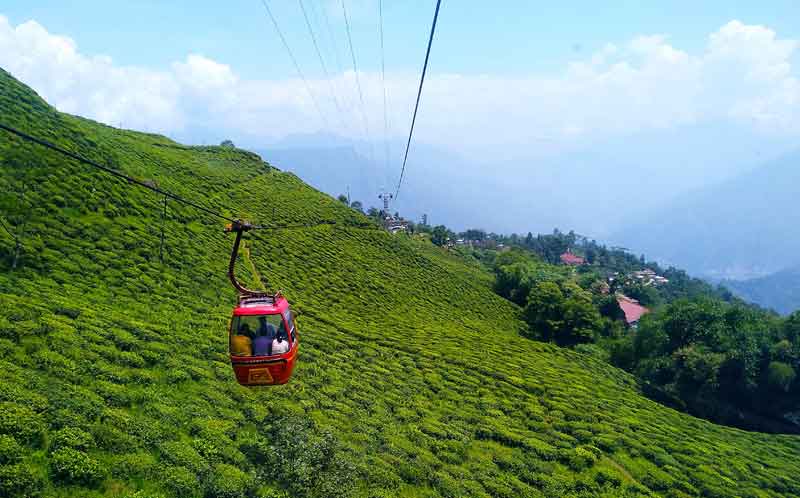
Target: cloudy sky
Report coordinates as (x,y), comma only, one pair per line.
(502,75)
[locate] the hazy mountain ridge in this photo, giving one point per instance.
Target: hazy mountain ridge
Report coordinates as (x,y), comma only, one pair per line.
(598,188)
(779,291)
(743,228)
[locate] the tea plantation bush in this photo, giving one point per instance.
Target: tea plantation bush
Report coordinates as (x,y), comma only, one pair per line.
(398,392)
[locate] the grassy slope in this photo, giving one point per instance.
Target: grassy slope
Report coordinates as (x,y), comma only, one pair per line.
(408,359)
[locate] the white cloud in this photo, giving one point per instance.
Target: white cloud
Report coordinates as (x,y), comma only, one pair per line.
(743,74)
(91,86)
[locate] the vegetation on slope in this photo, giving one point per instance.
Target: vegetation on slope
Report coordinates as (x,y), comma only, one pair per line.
(414,377)
(702,350)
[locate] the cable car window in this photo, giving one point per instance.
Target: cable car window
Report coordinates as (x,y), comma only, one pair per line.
(254,335)
(287,315)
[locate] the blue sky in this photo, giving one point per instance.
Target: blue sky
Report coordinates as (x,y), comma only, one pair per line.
(475,37)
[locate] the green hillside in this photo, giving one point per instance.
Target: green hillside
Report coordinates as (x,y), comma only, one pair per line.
(413,377)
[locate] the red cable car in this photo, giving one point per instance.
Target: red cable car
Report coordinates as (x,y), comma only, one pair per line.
(263,333)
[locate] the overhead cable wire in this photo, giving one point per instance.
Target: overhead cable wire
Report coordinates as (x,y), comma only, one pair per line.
(334,45)
(419,94)
(294,61)
(383,82)
(322,62)
(312,225)
(148,186)
(112,171)
(358,82)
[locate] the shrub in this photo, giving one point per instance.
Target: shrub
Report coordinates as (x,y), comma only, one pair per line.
(181,454)
(10,450)
(180,481)
(270,492)
(132,465)
(176,376)
(68,312)
(142,494)
(21,422)
(19,481)
(112,439)
(310,462)
(541,449)
(75,467)
(78,401)
(606,477)
(226,481)
(780,376)
(580,459)
(71,437)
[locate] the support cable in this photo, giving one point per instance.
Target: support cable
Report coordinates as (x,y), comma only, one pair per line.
(112,171)
(419,94)
(358,83)
(322,62)
(383,82)
(165,193)
(294,61)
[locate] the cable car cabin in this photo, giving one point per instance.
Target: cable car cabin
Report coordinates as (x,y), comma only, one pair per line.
(263,341)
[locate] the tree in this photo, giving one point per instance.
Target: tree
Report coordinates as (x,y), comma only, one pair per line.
(440,235)
(647,295)
(343,199)
(227,143)
(357,206)
(581,319)
(529,240)
(513,282)
(608,306)
(545,310)
(780,376)
(591,255)
(475,234)
(696,369)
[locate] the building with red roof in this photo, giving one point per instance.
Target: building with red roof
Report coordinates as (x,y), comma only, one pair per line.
(570,259)
(632,309)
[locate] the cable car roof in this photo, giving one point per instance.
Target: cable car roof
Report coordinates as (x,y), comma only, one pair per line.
(261,305)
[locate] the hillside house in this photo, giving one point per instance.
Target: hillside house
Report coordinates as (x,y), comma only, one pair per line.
(649,277)
(395,225)
(572,260)
(632,309)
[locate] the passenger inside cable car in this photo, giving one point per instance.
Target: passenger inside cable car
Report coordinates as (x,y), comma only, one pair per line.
(268,329)
(280,345)
(241,341)
(262,344)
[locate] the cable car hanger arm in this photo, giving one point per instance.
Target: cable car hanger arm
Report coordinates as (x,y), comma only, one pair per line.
(239,227)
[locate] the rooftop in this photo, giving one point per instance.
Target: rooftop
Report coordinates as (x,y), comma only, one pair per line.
(570,259)
(632,309)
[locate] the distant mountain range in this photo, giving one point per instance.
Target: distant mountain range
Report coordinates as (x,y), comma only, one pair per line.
(597,188)
(743,228)
(779,291)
